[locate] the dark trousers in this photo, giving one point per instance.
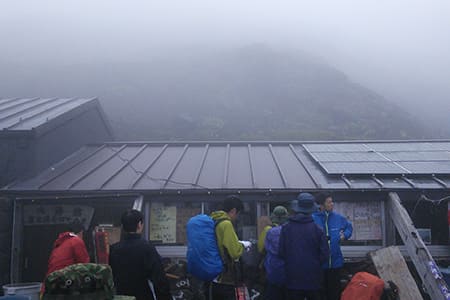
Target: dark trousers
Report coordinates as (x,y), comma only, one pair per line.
(332,284)
(222,292)
(275,292)
(302,295)
(200,288)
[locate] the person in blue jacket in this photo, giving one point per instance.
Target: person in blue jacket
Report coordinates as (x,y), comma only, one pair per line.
(336,228)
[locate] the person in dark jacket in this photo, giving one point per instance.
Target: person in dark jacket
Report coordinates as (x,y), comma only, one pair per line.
(303,247)
(337,228)
(134,261)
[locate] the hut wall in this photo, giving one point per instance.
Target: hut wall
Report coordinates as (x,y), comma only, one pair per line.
(16,157)
(5,239)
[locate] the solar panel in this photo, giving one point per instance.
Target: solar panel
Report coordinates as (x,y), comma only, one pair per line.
(362,168)
(427,167)
(442,146)
(335,147)
(347,156)
(390,147)
(418,156)
(382,158)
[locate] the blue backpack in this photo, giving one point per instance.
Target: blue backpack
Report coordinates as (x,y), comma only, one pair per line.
(203,256)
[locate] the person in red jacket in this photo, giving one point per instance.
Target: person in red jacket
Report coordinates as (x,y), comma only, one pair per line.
(68,249)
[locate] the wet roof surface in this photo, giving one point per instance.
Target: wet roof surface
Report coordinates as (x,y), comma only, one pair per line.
(248,165)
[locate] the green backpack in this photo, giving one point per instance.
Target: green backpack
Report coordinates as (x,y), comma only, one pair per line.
(80,281)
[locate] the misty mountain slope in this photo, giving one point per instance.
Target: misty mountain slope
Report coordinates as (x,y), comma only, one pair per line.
(250,93)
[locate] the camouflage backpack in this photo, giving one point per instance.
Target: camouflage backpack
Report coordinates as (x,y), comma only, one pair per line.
(80,281)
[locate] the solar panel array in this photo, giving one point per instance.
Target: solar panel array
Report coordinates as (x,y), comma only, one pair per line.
(382,158)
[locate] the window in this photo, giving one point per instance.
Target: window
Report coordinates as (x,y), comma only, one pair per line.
(167,223)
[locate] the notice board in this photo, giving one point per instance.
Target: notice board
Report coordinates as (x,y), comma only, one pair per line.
(163,223)
(365,217)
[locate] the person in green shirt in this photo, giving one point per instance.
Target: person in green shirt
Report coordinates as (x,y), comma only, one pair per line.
(279,216)
(230,248)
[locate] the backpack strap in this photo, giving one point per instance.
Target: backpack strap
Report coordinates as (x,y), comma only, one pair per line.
(235,266)
(218,221)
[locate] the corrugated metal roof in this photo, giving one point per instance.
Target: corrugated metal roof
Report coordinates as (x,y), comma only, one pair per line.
(142,166)
(30,113)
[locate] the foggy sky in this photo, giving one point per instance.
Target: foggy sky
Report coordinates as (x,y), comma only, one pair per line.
(400,49)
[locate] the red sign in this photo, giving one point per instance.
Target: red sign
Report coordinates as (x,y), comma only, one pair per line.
(448,214)
(102,247)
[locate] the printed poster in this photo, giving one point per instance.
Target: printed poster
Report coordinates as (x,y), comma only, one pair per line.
(365,217)
(163,223)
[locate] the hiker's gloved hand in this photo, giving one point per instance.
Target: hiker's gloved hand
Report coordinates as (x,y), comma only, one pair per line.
(247,245)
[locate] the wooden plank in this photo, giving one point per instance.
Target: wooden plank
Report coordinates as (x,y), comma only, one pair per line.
(391,265)
(389,233)
(425,265)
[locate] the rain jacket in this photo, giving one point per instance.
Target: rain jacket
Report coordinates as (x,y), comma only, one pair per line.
(273,263)
(68,249)
(303,247)
(134,261)
(229,246)
(262,237)
(332,224)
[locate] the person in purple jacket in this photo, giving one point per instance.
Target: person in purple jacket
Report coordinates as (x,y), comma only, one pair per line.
(304,248)
(273,264)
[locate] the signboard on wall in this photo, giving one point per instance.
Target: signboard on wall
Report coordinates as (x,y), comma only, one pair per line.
(365,217)
(163,223)
(57,214)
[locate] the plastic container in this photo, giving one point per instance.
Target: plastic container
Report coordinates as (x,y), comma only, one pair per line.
(14,298)
(28,289)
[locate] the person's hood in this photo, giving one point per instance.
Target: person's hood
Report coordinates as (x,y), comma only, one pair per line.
(301,218)
(279,215)
(62,237)
(220,215)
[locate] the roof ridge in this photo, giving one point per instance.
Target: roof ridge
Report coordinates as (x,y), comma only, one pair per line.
(7,100)
(64,102)
(25,101)
(47,100)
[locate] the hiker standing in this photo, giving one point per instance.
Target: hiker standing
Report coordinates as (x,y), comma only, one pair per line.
(134,261)
(230,248)
(303,247)
(278,214)
(337,228)
(273,264)
(68,249)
